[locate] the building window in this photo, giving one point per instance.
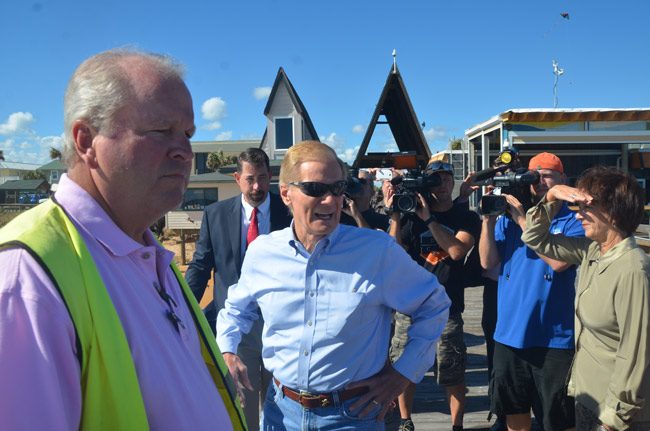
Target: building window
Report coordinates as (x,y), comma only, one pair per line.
(10,197)
(200,163)
(283,133)
(198,199)
(54,176)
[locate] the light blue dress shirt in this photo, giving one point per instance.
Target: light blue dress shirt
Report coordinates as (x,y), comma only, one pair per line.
(327,315)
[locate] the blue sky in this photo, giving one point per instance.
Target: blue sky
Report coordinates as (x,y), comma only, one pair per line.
(462,61)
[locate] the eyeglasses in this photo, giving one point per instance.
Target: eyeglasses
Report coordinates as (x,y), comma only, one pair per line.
(582,207)
(440,166)
(317,190)
(171,315)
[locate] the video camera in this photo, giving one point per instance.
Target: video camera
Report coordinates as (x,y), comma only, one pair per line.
(507,177)
(405,199)
(354,187)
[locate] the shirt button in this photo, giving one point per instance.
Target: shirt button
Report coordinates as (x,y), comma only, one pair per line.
(146,255)
(311,294)
(309,323)
(306,353)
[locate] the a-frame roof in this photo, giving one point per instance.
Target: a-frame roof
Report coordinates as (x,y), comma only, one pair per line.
(295,99)
(395,105)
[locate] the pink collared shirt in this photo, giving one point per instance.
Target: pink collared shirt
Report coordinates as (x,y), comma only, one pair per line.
(39,370)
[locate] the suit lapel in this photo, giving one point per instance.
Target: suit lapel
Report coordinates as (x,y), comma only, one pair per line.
(234,221)
(278,218)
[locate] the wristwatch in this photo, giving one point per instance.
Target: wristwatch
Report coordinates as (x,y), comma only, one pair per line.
(430,219)
(602,427)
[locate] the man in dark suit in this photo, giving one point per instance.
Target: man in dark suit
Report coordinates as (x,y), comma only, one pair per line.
(227,228)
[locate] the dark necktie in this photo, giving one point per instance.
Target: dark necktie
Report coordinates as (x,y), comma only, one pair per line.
(253,230)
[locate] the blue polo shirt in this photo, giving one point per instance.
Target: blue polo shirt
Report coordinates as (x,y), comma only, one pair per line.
(535,303)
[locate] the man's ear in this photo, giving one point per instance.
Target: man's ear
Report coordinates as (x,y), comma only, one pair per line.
(83,135)
(284,194)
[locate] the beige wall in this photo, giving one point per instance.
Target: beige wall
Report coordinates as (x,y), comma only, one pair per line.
(192,219)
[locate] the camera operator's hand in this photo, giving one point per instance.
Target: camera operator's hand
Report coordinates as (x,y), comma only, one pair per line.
(467,187)
(422,210)
(516,210)
(350,207)
(388,190)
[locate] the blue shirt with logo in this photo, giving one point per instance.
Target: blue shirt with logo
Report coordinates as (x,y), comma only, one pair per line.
(535,304)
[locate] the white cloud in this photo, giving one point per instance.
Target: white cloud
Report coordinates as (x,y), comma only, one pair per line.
(251,136)
(18,121)
(215,125)
(261,92)
(338,144)
(23,143)
(349,154)
(33,149)
(213,109)
(391,147)
(435,134)
(224,136)
(358,128)
(333,140)
(53,141)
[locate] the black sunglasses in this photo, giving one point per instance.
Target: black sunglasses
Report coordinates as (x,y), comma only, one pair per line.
(316,190)
(440,166)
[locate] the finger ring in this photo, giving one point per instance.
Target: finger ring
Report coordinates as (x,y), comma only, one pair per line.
(573,195)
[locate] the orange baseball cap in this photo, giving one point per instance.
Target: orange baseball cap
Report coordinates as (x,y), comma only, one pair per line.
(546,161)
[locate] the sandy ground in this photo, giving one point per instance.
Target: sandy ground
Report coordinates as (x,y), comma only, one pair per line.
(172,242)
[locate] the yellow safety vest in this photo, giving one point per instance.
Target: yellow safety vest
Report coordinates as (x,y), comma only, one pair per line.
(111,398)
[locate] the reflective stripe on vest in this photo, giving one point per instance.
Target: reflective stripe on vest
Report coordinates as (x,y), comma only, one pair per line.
(111,397)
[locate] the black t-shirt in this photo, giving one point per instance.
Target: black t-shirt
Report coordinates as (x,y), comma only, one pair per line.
(374,219)
(423,248)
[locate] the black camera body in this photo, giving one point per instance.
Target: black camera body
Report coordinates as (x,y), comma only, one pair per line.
(405,199)
(515,183)
(353,188)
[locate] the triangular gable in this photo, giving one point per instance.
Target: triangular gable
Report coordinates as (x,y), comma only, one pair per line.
(395,105)
(282,80)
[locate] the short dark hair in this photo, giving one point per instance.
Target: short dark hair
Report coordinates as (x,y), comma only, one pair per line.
(618,193)
(254,156)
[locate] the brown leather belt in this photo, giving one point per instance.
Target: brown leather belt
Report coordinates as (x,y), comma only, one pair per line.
(313,401)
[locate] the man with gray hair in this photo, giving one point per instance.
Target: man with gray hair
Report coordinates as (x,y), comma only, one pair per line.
(97,327)
(326,292)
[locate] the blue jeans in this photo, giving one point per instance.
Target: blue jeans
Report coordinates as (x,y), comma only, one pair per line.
(284,414)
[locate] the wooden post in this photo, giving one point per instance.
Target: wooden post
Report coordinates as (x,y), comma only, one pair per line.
(183,257)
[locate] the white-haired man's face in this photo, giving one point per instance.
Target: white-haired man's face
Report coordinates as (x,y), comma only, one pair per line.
(143,161)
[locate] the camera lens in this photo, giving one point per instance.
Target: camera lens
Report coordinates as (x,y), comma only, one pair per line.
(493,205)
(406,203)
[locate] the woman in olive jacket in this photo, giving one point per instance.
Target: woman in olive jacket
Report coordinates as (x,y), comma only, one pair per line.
(609,378)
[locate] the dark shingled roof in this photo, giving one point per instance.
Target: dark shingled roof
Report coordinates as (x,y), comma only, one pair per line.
(22,185)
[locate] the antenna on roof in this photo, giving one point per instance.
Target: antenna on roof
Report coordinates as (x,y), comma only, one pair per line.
(557,71)
(394,60)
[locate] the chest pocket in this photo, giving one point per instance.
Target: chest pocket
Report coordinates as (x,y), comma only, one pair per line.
(346,312)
